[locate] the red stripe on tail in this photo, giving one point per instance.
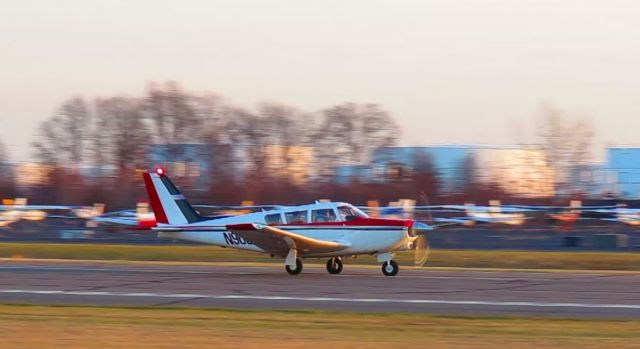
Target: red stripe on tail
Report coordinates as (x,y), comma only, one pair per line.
(154,199)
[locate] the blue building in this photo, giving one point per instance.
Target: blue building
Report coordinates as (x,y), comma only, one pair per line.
(395,163)
(625,163)
(399,163)
(349,173)
(518,170)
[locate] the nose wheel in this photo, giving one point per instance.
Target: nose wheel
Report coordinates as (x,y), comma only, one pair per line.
(390,268)
(334,265)
(296,270)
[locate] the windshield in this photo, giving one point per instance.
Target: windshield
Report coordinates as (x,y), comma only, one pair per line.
(350,212)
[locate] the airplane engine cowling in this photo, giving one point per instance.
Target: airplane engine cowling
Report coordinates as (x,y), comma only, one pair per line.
(412,231)
(418,228)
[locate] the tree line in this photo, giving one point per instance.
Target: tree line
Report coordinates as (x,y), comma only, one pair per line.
(115,135)
(95,150)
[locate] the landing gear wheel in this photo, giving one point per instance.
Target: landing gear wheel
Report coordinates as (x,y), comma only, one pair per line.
(334,265)
(390,268)
(295,271)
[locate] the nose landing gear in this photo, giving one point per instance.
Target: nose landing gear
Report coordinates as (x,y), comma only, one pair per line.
(334,265)
(390,268)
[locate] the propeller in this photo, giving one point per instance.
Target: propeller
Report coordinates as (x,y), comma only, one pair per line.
(420,244)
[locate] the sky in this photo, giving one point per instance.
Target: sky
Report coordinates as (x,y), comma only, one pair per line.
(450,71)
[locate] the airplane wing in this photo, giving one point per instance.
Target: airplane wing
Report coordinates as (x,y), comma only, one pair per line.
(617,210)
(501,208)
(127,218)
(256,208)
(437,223)
(279,241)
(116,220)
(454,220)
(34,207)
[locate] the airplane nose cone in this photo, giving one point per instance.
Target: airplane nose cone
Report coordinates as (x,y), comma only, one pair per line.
(421,228)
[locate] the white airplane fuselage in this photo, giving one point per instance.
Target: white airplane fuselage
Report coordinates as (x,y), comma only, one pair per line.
(363,235)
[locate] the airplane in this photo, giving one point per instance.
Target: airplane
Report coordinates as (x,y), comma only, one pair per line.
(140,219)
(18,209)
(12,211)
(495,213)
(567,215)
(516,214)
(402,208)
(620,214)
(332,230)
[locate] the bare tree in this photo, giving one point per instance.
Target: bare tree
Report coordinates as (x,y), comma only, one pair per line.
(63,137)
(122,135)
(7,184)
(376,128)
(424,176)
(567,145)
(3,153)
(172,113)
(248,154)
(349,133)
(468,174)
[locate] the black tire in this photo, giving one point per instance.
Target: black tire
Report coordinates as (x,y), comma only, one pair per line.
(295,271)
(392,266)
(334,265)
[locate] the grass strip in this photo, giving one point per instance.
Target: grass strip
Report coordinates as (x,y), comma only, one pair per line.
(48,327)
(437,258)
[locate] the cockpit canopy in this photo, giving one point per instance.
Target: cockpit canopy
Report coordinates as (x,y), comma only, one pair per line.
(348,212)
(328,212)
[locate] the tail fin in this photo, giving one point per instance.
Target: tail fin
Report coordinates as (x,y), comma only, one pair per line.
(168,204)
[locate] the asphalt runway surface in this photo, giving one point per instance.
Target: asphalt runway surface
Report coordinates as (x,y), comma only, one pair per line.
(450,292)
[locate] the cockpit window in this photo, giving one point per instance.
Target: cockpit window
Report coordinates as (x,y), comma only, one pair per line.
(323,215)
(349,212)
(273,219)
(296,217)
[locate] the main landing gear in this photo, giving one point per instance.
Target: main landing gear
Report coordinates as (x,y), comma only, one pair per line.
(296,270)
(390,268)
(334,265)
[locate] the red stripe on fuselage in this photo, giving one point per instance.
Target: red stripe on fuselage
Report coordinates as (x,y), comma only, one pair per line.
(154,199)
(361,221)
(355,223)
(241,226)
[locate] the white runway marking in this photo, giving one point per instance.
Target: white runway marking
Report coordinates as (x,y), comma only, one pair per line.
(322,299)
(240,272)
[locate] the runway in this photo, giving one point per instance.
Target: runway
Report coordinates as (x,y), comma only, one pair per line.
(451,292)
